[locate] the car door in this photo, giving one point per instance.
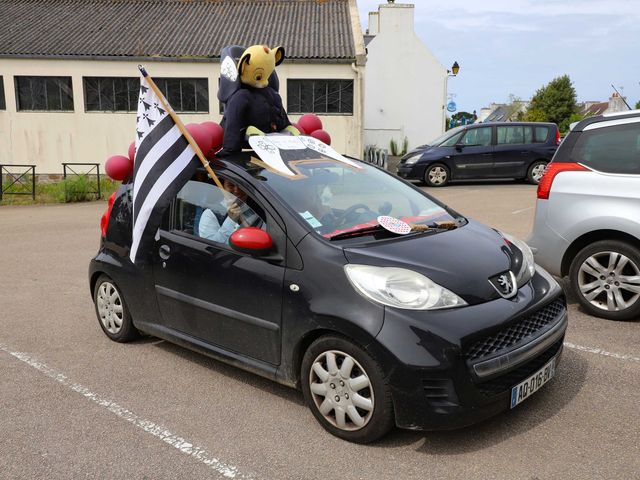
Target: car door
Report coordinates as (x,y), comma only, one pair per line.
(514,150)
(473,154)
(209,292)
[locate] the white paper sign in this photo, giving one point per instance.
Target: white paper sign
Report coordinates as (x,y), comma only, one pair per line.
(394,225)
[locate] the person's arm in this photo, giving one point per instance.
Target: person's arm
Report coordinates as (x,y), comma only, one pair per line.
(209,225)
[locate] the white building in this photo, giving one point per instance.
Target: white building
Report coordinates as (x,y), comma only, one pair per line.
(69,78)
(405,95)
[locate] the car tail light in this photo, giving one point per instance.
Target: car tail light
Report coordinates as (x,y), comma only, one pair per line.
(104,221)
(557,137)
(553,169)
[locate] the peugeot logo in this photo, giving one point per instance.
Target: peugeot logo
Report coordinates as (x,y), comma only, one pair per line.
(505,284)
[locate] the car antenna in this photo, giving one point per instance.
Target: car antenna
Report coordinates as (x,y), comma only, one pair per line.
(625,102)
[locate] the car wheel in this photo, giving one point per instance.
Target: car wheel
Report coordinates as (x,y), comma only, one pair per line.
(346,391)
(605,278)
(111,309)
(436,175)
(536,171)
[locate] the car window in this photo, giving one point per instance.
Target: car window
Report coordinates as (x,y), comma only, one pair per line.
(477,136)
(452,140)
(511,135)
(614,149)
(332,197)
(541,134)
(204,210)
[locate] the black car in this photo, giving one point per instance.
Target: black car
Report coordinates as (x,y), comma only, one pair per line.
(436,328)
(481,151)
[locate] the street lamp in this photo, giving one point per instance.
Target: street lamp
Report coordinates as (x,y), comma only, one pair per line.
(455,68)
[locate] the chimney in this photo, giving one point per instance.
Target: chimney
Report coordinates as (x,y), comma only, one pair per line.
(396,17)
(616,104)
(374,25)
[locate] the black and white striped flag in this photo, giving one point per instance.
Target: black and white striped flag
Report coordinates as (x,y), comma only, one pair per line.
(163,164)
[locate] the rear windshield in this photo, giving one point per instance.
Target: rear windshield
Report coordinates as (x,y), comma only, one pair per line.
(614,149)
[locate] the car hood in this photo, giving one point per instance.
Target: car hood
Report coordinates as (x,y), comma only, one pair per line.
(461,260)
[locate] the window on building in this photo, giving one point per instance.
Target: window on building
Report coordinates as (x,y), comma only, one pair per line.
(185,94)
(320,96)
(44,94)
(111,94)
(3,105)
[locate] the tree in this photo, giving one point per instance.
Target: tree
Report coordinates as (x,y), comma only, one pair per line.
(554,102)
(468,118)
(638,105)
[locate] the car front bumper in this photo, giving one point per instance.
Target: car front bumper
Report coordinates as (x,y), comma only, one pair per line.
(410,172)
(453,377)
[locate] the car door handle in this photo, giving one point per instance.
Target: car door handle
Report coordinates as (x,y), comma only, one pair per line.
(164,252)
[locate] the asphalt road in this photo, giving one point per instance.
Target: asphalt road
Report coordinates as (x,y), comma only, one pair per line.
(76,405)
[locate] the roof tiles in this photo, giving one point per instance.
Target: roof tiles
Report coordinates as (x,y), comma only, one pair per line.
(308,29)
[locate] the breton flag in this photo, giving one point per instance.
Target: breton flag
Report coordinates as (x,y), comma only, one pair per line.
(164,162)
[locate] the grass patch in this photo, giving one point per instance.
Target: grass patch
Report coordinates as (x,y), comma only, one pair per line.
(80,188)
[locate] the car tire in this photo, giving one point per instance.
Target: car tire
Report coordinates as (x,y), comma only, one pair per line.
(599,278)
(112,312)
(536,171)
(436,175)
(345,389)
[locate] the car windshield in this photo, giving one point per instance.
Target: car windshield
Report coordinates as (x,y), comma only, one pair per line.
(445,136)
(334,198)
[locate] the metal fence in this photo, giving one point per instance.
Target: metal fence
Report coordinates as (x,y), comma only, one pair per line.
(376,156)
(18,183)
(68,169)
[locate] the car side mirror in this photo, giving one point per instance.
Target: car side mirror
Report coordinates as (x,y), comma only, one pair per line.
(252,241)
(459,147)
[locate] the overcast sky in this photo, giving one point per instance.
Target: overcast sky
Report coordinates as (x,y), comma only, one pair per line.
(516,46)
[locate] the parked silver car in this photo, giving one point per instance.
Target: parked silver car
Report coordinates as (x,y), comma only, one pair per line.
(587,222)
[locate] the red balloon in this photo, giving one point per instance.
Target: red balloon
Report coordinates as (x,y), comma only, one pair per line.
(322,136)
(132,151)
(216,133)
(300,129)
(200,135)
(118,167)
(310,122)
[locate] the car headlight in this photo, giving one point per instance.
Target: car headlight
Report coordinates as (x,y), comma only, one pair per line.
(413,159)
(401,288)
(524,262)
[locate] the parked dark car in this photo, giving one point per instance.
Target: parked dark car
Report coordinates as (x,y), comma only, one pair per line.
(518,150)
(436,329)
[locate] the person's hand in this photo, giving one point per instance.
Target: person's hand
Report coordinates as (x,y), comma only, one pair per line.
(235,213)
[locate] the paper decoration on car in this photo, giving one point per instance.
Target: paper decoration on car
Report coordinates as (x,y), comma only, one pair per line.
(394,225)
(228,69)
(268,148)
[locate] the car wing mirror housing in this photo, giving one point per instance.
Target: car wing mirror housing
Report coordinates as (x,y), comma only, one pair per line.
(252,241)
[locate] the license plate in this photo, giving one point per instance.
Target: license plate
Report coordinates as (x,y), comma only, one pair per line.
(526,388)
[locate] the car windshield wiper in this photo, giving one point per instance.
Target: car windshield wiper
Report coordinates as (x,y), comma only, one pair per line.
(359,232)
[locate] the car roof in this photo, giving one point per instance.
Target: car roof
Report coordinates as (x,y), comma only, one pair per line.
(629,116)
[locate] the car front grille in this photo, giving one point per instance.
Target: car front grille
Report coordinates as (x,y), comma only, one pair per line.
(505,382)
(517,332)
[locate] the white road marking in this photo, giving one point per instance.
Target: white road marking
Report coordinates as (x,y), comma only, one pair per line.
(600,351)
(515,212)
(197,453)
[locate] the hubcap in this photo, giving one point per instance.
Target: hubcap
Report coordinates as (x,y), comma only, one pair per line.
(109,307)
(538,172)
(341,390)
(609,281)
(437,175)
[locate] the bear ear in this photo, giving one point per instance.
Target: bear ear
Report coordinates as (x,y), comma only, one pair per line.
(279,55)
(243,60)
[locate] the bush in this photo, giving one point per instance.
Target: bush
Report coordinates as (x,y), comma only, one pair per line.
(78,189)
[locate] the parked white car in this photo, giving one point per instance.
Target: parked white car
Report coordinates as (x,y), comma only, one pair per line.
(587,222)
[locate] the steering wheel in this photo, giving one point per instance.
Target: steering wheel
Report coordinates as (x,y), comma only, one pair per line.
(342,217)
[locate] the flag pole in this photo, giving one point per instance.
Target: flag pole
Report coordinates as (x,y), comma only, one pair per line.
(181,126)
